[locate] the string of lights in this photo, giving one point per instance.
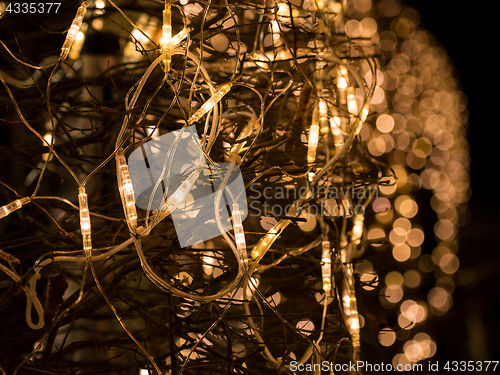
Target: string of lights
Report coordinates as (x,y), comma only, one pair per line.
(343,117)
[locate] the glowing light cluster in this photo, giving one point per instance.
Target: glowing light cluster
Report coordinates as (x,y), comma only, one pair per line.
(424,142)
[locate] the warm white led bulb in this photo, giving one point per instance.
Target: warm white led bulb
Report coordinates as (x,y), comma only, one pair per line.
(180,36)
(12,206)
(326,268)
(353,323)
(265,243)
(350,307)
(239,234)
(179,195)
(85,222)
(166,44)
(73,30)
(352,104)
(342,83)
(276,34)
(100,4)
(210,103)
(364,112)
(323,117)
(126,191)
(338,136)
(357,230)
(312,143)
(362,117)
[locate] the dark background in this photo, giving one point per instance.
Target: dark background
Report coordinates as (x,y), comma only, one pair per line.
(471,328)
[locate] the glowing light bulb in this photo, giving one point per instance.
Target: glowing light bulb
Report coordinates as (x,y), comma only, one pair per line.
(362,117)
(350,307)
(210,103)
(166,44)
(342,83)
(264,244)
(326,268)
(100,4)
(180,36)
(73,30)
(338,136)
(312,144)
(126,191)
(137,34)
(353,323)
(357,230)
(275,28)
(323,117)
(310,176)
(239,234)
(13,206)
(352,105)
(179,195)
(85,222)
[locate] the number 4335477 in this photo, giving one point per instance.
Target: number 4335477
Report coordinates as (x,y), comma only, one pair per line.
(32,7)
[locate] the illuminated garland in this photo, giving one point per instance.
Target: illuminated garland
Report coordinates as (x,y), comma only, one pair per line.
(360,102)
